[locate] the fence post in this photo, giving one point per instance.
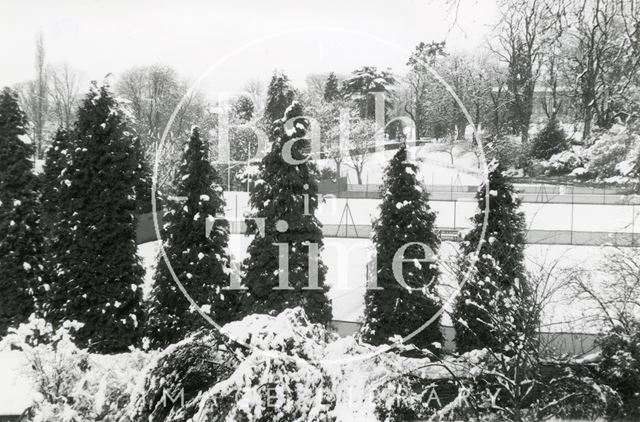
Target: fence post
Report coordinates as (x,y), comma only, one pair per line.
(451,189)
(455,212)
(573,186)
(633,225)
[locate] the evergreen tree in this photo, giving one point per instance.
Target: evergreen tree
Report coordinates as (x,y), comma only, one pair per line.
(551,140)
(279,97)
(405,217)
(143,179)
(331,89)
(20,238)
(278,197)
(243,109)
(55,213)
(98,273)
(56,163)
(364,82)
(500,266)
(199,260)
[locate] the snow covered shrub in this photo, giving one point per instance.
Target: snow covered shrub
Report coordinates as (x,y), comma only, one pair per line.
(610,148)
(173,383)
(562,163)
(549,141)
(327,173)
(277,380)
(619,367)
(507,150)
(408,398)
(574,394)
(71,384)
(206,377)
(266,388)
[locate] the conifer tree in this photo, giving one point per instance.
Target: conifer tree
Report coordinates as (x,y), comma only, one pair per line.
(55,212)
(56,163)
(197,257)
(279,198)
(279,97)
(20,237)
(243,109)
(405,217)
(98,273)
(499,267)
(331,89)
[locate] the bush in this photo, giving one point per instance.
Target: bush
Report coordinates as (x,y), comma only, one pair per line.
(620,367)
(327,173)
(174,382)
(73,385)
(610,148)
(562,163)
(573,393)
(223,381)
(507,150)
(549,141)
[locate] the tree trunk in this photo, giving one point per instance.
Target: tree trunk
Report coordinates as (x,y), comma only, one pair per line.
(588,119)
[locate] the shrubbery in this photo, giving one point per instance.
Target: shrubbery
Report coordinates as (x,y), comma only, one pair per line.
(620,367)
(507,150)
(611,155)
(183,371)
(562,163)
(549,141)
(222,381)
(70,383)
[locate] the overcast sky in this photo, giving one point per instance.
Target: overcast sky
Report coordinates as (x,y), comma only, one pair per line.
(97,37)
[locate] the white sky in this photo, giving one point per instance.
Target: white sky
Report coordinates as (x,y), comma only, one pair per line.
(97,37)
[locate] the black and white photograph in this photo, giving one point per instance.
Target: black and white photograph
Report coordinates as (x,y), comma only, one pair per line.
(305,211)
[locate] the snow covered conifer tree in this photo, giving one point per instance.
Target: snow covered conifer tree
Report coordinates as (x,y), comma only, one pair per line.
(500,266)
(198,259)
(331,89)
(279,198)
(56,162)
(20,236)
(279,97)
(405,217)
(98,273)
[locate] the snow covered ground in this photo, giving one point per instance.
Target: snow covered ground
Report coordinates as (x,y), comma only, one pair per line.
(16,393)
(431,171)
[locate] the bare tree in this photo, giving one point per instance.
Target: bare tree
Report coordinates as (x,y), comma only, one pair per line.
(64,94)
(257,93)
(316,83)
(611,294)
(525,30)
(508,383)
(604,58)
(362,133)
(153,93)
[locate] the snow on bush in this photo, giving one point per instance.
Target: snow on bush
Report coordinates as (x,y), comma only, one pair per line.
(289,332)
(283,368)
(207,377)
(609,150)
(549,141)
(619,366)
(172,384)
(70,384)
(562,163)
